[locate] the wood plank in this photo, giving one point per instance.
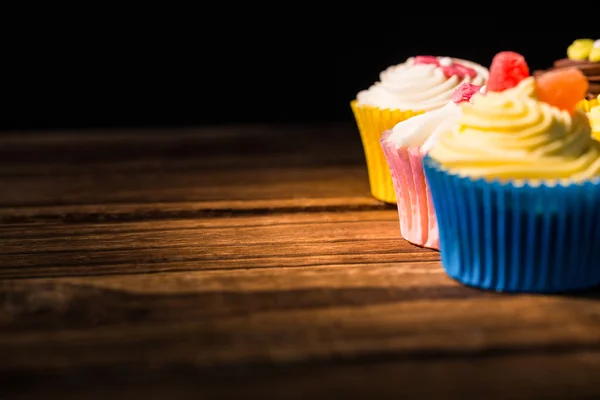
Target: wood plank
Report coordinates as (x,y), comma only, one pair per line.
(153,187)
(282,315)
(222,146)
(543,376)
(293,240)
(183,210)
(181,173)
(307,328)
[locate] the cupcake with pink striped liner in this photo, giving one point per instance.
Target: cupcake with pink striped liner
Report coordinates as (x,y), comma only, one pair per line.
(404,147)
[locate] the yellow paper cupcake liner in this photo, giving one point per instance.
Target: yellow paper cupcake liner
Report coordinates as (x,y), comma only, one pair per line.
(586,105)
(372,122)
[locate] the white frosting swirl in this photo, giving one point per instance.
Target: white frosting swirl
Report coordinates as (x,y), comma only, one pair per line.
(423,130)
(418,87)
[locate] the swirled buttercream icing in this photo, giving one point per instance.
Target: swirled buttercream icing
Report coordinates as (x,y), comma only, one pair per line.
(510,135)
(422,83)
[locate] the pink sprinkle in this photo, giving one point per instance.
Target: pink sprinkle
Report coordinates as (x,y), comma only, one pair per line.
(460,70)
(457,69)
(464,92)
(427,60)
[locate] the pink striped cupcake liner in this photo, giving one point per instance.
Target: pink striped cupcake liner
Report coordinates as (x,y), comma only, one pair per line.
(418,223)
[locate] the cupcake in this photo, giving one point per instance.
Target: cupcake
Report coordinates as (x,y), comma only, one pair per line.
(515,185)
(583,54)
(404,147)
(420,84)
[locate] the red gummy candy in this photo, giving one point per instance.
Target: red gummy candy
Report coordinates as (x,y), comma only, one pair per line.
(507,70)
(464,92)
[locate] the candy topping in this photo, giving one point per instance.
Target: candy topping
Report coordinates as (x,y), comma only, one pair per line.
(426,60)
(584,50)
(595,52)
(580,49)
(562,88)
(448,66)
(507,70)
(464,92)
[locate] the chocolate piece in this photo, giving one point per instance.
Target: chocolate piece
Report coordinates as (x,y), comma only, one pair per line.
(594,88)
(565,62)
(587,67)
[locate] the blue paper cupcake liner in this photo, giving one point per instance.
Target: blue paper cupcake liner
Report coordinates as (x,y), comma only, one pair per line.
(505,237)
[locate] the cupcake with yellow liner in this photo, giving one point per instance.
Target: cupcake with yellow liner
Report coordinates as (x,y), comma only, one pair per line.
(420,84)
(404,147)
(515,185)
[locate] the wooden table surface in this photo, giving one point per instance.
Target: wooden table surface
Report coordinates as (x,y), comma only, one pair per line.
(238,262)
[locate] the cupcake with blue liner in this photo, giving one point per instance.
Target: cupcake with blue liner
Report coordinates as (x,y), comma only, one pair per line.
(515,185)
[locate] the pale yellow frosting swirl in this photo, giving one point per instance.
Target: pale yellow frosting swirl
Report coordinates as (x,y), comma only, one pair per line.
(512,136)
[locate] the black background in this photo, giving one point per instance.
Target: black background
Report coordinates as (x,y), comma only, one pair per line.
(141,84)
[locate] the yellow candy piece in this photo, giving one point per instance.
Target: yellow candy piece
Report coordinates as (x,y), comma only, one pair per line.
(594,116)
(594,55)
(580,49)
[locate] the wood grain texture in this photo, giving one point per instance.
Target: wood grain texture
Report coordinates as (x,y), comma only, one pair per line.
(238,263)
(212,170)
(290,240)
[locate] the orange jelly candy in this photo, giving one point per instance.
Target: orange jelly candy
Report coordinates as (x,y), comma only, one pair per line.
(562,88)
